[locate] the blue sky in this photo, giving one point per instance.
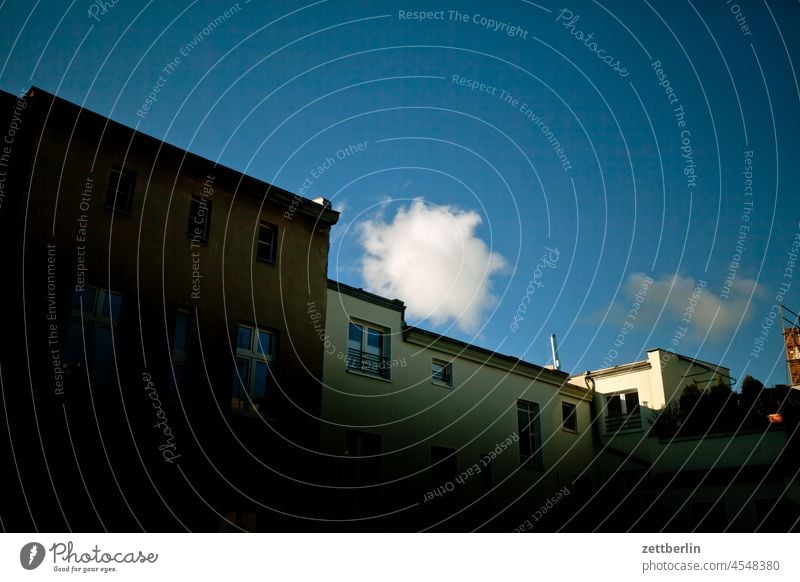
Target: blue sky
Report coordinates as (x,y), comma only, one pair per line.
(458,190)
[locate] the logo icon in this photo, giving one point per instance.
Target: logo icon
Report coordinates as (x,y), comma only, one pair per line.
(31,555)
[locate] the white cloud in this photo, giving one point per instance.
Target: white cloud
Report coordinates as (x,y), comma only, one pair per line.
(431,258)
(686,298)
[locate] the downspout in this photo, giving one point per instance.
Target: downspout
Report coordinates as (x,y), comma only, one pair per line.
(589,381)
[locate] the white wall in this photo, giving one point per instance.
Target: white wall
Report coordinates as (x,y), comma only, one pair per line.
(411,412)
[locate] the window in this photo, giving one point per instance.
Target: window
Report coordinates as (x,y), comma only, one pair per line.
(569,416)
(530,439)
(255,351)
(368,349)
(267,242)
(444,470)
(622,412)
(119,196)
(444,465)
(180,347)
(199,228)
(362,468)
(236,521)
(95,314)
(442,372)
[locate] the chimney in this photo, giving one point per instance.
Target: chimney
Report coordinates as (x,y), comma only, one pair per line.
(554,349)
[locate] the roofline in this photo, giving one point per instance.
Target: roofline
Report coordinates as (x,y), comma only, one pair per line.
(703,364)
(618,369)
(461,349)
(359,293)
(429,339)
(196,165)
(645,364)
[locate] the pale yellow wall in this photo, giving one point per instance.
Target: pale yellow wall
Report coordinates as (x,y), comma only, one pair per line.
(677,373)
(414,413)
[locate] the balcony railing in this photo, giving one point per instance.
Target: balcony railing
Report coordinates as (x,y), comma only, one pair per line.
(370,363)
(625,422)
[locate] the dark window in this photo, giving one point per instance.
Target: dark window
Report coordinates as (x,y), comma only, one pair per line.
(95,314)
(119,196)
(444,465)
(361,469)
(267,242)
(368,349)
(444,470)
(622,412)
(255,354)
(180,347)
(84,300)
(569,416)
(236,521)
(529,434)
(199,228)
(442,372)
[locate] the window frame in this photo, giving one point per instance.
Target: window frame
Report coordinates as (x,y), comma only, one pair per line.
(273,244)
(628,420)
(446,373)
(254,356)
(383,369)
(192,225)
(533,411)
(112,202)
(571,416)
(85,320)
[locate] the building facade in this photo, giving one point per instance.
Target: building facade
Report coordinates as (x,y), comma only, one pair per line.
(428,432)
(152,353)
(693,476)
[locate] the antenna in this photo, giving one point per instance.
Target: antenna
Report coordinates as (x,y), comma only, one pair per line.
(554,349)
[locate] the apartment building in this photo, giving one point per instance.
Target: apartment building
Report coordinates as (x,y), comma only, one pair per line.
(428,432)
(154,372)
(685,468)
